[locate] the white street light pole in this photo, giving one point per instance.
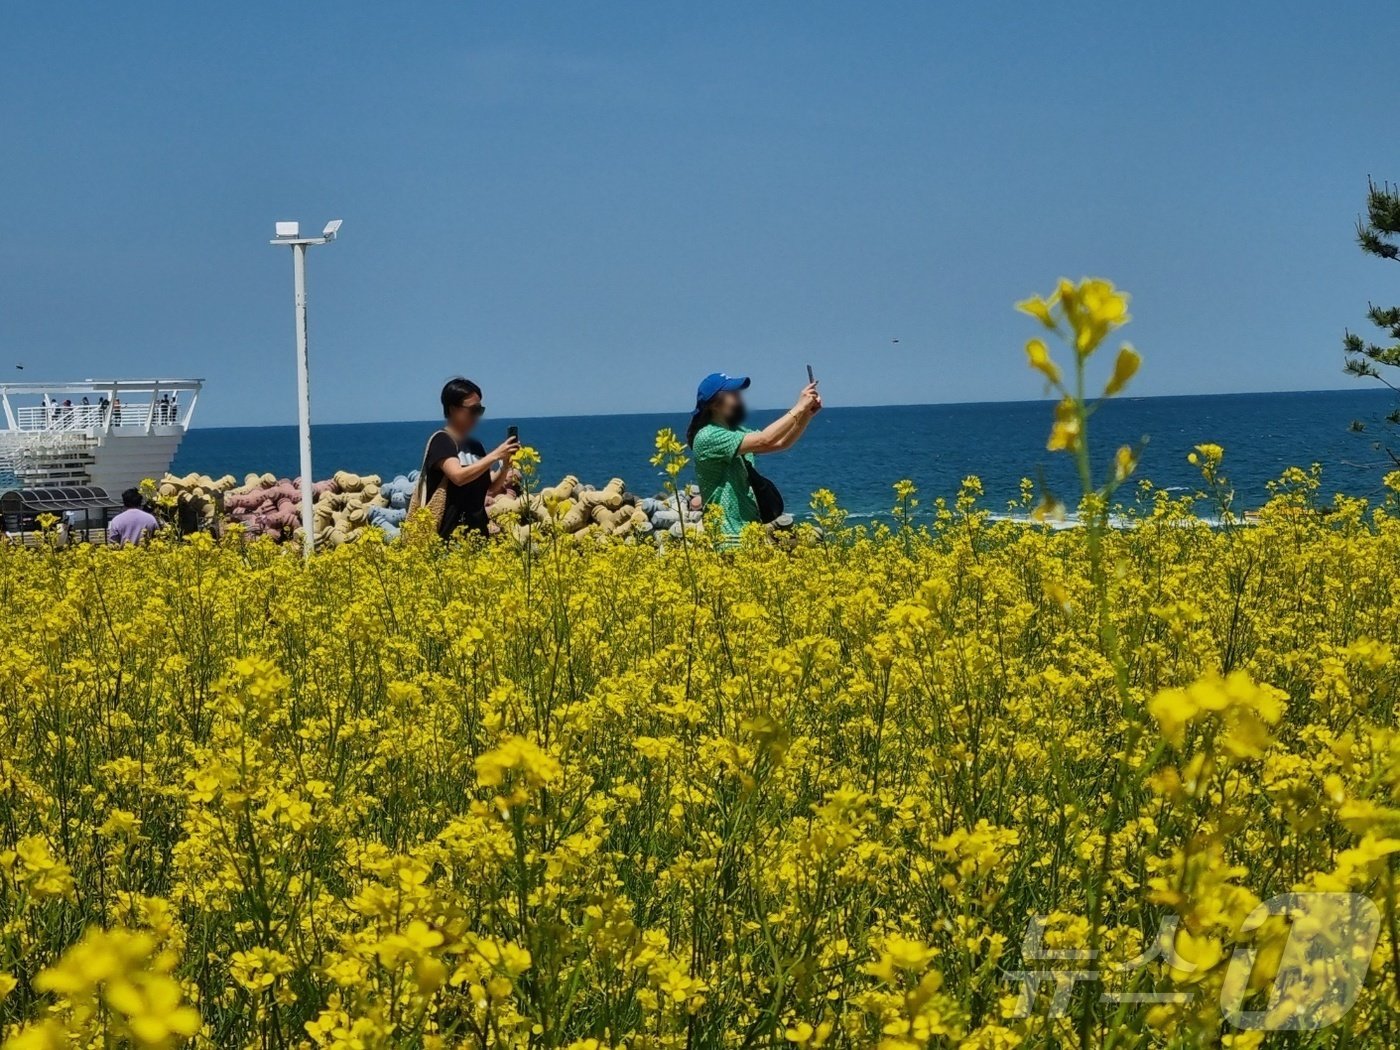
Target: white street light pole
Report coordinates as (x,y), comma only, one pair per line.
(308,537)
(289,234)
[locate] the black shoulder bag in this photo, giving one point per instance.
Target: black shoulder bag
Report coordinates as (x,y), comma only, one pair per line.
(765,494)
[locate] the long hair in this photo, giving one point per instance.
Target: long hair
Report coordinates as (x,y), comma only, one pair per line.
(699,421)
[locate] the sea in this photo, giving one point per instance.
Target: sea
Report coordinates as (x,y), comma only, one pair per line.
(860,453)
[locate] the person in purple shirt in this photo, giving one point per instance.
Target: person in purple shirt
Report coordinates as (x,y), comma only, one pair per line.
(134,524)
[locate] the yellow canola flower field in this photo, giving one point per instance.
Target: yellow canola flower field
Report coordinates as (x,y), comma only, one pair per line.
(589,795)
(978,783)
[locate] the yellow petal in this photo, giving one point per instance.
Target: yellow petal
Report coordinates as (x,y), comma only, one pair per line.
(1038,354)
(1037,308)
(1123,370)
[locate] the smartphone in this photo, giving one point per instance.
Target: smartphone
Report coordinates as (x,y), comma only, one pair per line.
(512,431)
(810,377)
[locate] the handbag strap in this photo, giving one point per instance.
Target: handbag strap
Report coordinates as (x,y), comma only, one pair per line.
(422,485)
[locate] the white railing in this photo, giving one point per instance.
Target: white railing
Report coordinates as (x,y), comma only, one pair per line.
(59,418)
(122,405)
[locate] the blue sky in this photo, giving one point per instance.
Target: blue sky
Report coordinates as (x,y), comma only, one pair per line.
(587,206)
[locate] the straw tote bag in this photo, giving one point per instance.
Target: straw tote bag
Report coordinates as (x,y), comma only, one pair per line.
(437,502)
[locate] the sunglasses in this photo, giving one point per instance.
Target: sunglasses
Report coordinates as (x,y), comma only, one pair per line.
(478,410)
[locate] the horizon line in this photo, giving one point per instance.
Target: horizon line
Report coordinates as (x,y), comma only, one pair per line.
(838,408)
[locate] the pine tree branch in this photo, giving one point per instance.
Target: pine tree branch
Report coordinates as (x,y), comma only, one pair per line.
(1364,359)
(1364,369)
(1374,244)
(1385,317)
(1383,207)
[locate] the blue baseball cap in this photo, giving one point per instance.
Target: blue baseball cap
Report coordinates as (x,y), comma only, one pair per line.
(715,384)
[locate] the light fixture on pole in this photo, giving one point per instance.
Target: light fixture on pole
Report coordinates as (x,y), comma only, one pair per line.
(289,234)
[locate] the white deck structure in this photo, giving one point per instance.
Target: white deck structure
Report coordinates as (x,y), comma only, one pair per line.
(127,430)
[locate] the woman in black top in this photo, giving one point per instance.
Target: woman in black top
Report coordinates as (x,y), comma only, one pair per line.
(460,462)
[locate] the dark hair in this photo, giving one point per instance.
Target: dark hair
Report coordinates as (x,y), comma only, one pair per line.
(699,420)
(455,392)
(132,498)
